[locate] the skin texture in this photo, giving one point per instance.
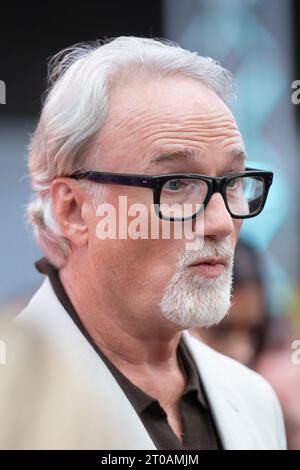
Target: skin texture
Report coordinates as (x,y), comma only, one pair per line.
(116,285)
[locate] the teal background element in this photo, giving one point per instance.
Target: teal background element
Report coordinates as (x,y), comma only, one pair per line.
(253,39)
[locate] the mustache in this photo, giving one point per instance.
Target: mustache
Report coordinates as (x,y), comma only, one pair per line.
(221,249)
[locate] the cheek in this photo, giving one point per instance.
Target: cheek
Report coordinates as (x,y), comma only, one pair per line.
(140,266)
(147,264)
(135,271)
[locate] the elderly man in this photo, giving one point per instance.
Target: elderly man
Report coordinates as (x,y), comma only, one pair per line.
(146,121)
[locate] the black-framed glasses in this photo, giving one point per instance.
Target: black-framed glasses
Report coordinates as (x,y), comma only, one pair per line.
(180,196)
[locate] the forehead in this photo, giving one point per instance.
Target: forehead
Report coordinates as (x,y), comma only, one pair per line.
(169,98)
(153,115)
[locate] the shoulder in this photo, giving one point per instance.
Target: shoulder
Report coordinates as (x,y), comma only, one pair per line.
(46,315)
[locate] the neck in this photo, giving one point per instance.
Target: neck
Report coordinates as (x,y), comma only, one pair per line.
(127,338)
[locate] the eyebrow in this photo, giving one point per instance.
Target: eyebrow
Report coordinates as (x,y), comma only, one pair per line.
(238,156)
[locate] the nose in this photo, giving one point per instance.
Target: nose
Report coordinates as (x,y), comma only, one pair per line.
(217,222)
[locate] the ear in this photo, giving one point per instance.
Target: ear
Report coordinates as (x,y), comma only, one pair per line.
(68,205)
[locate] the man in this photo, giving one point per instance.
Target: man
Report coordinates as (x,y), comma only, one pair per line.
(146,121)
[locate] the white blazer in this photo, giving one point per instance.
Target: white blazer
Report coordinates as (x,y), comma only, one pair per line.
(245,408)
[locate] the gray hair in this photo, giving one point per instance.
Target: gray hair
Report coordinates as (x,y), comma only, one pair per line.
(80,79)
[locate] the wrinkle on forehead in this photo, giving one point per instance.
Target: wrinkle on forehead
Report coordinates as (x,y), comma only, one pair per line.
(190,129)
(155,126)
(206,126)
(166,100)
(154,117)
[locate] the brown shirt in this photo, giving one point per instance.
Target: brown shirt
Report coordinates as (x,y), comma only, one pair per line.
(199,430)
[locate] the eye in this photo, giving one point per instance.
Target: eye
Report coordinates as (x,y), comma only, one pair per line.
(231,184)
(174,185)
(234,184)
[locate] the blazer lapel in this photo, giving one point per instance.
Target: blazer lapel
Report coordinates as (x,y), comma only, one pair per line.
(227,409)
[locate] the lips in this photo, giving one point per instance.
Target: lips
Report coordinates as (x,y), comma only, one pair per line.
(211,260)
(209,267)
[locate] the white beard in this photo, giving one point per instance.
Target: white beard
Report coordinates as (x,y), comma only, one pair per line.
(191,300)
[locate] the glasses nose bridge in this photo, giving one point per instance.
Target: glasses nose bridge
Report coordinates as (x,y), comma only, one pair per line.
(217,185)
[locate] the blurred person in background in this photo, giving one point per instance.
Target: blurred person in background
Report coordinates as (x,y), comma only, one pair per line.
(274,362)
(252,336)
(241,333)
(148,121)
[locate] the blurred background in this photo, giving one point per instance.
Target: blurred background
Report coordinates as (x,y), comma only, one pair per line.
(259,41)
